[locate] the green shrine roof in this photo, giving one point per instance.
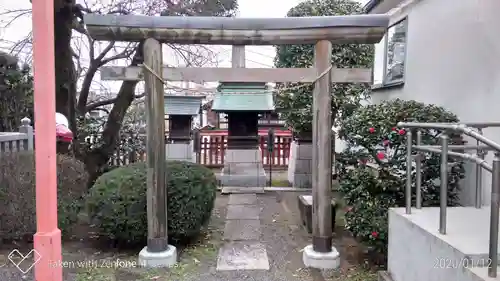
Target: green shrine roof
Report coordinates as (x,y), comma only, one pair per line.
(182,105)
(243,97)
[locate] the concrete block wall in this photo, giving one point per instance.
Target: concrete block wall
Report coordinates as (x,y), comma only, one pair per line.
(234,156)
(300,165)
(180,152)
(243,167)
(291,161)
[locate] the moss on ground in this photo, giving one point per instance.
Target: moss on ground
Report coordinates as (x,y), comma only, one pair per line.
(358,274)
(206,248)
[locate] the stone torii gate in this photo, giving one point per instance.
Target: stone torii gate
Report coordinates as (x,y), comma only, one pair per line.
(321,31)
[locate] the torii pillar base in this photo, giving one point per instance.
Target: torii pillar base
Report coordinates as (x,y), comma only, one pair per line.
(166,258)
(46,254)
(314,259)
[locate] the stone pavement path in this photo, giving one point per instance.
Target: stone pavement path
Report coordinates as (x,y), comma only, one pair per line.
(275,255)
(242,249)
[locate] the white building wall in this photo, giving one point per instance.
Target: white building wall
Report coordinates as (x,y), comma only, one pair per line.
(453,55)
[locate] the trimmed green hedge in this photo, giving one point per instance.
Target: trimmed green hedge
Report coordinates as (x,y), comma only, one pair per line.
(117,203)
(17,193)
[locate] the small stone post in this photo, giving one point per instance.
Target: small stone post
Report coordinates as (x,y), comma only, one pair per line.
(27,129)
(300,165)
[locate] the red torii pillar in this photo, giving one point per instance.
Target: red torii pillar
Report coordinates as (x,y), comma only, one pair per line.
(47,240)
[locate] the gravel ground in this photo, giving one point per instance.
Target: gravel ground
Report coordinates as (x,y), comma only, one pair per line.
(281,233)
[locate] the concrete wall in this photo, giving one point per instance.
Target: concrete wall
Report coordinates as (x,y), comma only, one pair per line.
(300,166)
(453,51)
(180,152)
(291,162)
(417,252)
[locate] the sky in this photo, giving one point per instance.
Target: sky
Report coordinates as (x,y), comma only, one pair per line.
(256,56)
(262,56)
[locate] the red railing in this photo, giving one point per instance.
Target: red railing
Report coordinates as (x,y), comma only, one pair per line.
(213,149)
(262,132)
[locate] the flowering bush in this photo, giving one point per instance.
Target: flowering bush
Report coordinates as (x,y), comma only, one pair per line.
(373,167)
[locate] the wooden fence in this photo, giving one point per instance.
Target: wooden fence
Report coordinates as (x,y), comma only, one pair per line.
(213,150)
(18,141)
(212,153)
(122,158)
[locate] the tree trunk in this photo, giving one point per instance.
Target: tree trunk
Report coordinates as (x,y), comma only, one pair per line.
(97,159)
(64,66)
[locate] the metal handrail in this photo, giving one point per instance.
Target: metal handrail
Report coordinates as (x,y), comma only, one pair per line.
(461,147)
(477,125)
(479,161)
(462,128)
(443,149)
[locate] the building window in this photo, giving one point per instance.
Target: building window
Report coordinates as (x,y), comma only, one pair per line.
(378,69)
(390,55)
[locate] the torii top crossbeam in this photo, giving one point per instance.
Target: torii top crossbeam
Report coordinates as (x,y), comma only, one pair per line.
(360,29)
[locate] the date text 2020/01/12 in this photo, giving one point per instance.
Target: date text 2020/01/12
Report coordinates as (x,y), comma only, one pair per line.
(444,263)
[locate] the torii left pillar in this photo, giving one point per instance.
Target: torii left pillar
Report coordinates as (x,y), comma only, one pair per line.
(157,253)
(47,240)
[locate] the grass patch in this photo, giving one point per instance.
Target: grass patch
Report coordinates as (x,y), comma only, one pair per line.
(191,257)
(279,183)
(95,274)
(204,250)
(358,274)
(341,209)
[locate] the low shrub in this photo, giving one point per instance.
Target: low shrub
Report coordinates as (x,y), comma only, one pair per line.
(368,199)
(372,169)
(117,202)
(17,192)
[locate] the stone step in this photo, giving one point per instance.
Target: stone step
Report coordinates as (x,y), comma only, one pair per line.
(243,256)
(243,180)
(460,254)
(242,189)
(481,274)
(242,199)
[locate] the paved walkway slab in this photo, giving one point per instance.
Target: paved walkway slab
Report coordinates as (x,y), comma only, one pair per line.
(242,199)
(243,256)
(243,212)
(236,230)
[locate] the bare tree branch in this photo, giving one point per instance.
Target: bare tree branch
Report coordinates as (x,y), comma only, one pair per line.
(91,46)
(94,105)
(124,54)
(15,15)
(108,48)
